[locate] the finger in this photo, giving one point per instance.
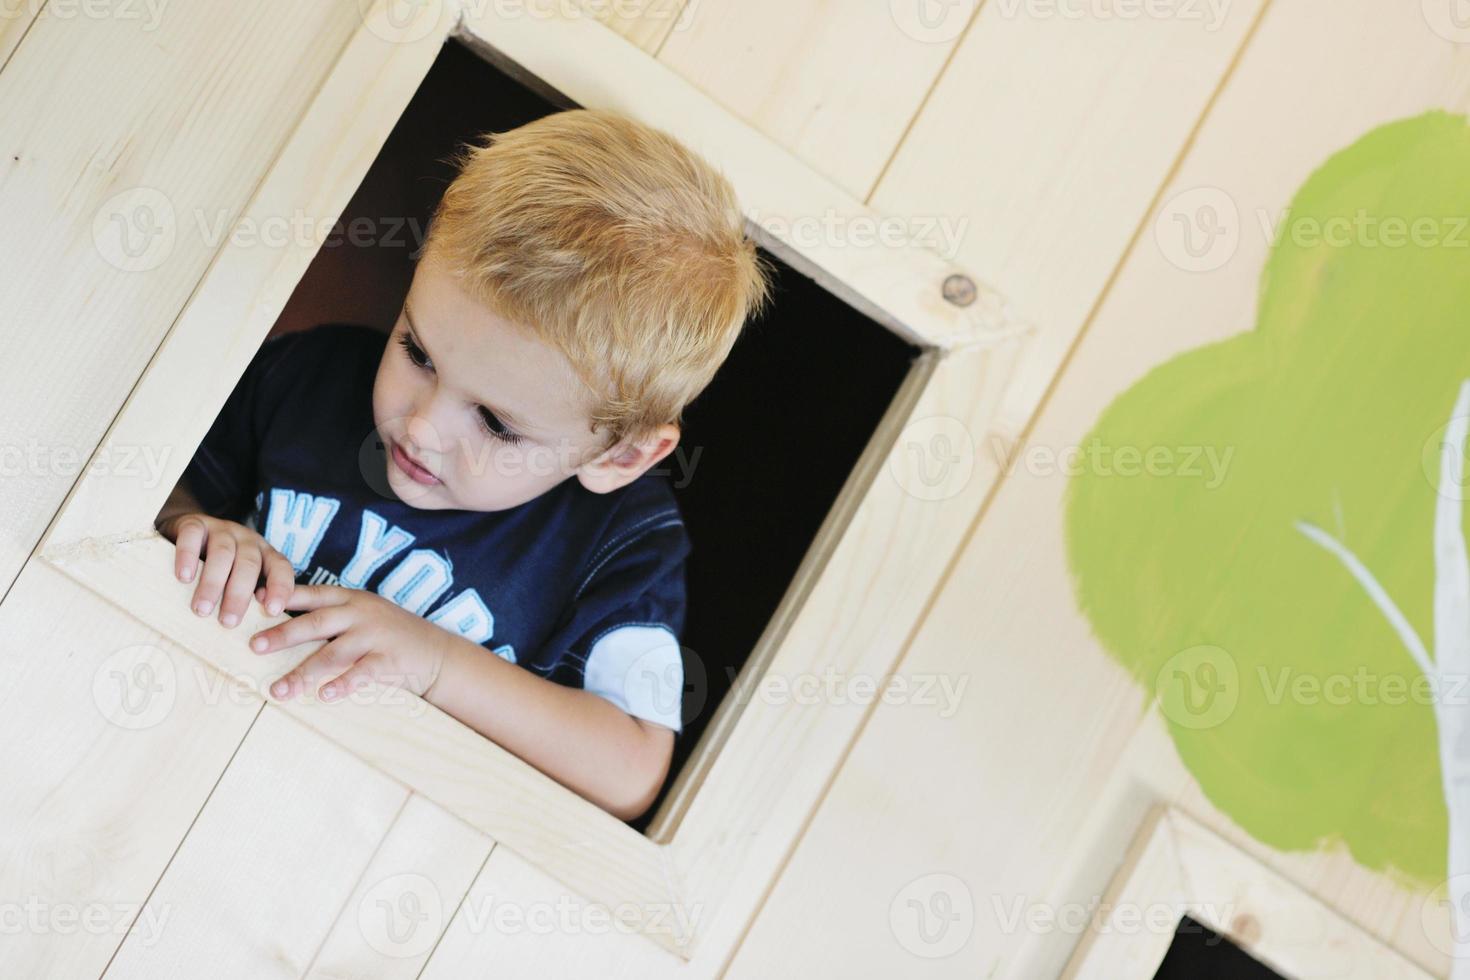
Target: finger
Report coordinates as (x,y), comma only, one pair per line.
(280,582)
(189,537)
(243,576)
(316,596)
(329,661)
(219,558)
(356,677)
(319,624)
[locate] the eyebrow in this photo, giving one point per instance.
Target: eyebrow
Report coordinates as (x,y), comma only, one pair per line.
(500,413)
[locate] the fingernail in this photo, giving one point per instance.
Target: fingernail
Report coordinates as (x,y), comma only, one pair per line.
(258,644)
(230,619)
(202,607)
(274,608)
(329,692)
(279,688)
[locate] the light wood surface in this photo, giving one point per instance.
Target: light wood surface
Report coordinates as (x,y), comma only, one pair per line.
(1029,791)
(296,841)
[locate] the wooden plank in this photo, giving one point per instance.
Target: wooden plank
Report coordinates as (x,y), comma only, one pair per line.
(405,898)
(107,541)
(646,23)
(264,871)
(111,737)
(401,735)
(155,135)
(1178,867)
(1051,133)
(813,224)
(836,84)
(239,299)
(13,26)
(518,921)
(995,794)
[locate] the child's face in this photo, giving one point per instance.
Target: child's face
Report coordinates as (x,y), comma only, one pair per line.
(494,415)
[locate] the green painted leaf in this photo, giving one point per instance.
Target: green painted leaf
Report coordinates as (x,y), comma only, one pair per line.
(1329,411)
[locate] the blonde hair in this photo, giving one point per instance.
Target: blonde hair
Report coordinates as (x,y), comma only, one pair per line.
(614,244)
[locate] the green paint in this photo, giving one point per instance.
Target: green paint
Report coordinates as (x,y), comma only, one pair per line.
(1331,410)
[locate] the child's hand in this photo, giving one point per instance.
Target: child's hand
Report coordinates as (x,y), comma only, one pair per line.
(371,637)
(235,558)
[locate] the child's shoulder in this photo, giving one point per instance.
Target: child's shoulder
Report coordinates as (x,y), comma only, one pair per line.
(645,511)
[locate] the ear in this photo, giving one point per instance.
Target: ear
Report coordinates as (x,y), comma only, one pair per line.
(621,464)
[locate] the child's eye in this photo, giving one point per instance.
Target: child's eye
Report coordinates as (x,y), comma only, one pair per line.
(497,428)
(488,419)
(415,354)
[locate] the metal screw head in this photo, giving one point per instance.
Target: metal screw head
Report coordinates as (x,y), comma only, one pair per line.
(959,290)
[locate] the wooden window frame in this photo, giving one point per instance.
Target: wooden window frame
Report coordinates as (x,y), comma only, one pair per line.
(731,789)
(1176,864)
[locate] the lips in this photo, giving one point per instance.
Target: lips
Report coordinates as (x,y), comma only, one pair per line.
(415,470)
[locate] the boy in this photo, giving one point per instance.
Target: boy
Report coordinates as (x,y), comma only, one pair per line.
(464,508)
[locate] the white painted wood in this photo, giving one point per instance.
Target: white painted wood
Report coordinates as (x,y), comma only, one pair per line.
(277,850)
(646,23)
(256,270)
(518,921)
(1031,755)
(405,898)
(821,230)
(104,536)
(111,737)
(13,27)
(836,84)
(401,735)
(1049,135)
(1181,868)
(160,134)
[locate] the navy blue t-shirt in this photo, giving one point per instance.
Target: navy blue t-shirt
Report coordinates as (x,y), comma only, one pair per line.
(582,588)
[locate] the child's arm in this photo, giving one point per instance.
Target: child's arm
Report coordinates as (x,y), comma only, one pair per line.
(575,736)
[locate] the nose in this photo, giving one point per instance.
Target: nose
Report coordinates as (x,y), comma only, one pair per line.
(427,429)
